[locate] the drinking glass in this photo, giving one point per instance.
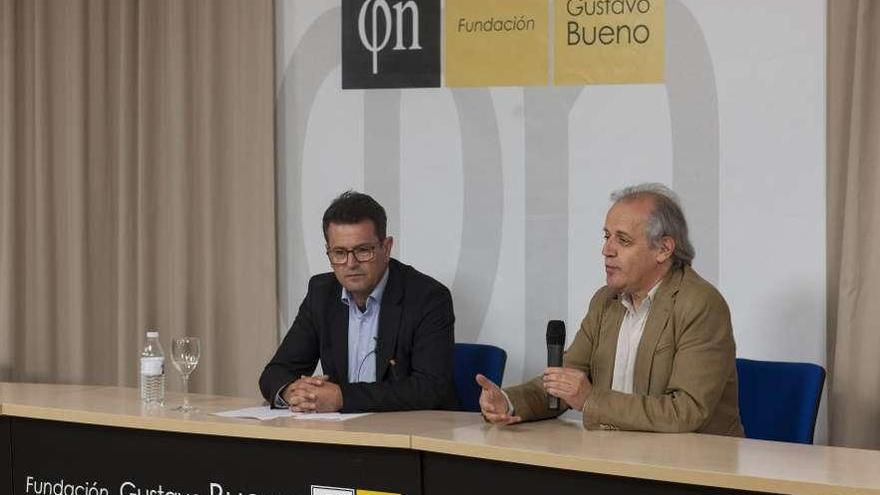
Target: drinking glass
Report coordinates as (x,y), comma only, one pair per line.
(185,352)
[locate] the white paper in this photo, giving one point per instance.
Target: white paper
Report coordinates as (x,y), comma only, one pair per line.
(265,413)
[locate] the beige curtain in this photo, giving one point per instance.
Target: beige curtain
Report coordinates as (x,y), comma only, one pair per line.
(136,188)
(854,222)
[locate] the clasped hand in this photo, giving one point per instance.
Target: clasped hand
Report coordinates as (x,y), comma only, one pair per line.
(313,394)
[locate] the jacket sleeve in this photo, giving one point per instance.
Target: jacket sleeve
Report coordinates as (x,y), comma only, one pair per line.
(704,357)
(529,399)
(296,356)
(429,384)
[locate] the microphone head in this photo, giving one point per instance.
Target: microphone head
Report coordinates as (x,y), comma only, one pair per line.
(555,332)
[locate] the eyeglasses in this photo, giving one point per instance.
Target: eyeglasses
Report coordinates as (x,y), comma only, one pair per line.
(362,253)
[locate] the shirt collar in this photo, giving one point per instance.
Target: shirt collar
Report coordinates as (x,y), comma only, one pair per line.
(626,299)
(376,295)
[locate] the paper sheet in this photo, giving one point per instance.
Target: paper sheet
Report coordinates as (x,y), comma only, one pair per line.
(265,413)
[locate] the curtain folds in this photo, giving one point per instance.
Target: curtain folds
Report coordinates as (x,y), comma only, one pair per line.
(854,222)
(136,188)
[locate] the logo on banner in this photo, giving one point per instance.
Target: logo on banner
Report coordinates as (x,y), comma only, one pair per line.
(609,41)
(496,43)
(329,490)
(390,44)
(368,30)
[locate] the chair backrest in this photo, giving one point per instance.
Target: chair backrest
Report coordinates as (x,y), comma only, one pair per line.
(779,401)
(471,359)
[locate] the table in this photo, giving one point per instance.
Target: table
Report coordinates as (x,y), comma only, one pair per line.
(565,456)
(102,441)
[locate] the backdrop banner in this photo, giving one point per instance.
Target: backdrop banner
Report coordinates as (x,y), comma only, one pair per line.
(497,183)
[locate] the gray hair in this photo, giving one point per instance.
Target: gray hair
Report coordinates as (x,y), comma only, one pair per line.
(667,218)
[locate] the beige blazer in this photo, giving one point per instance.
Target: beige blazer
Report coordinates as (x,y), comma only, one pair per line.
(685,370)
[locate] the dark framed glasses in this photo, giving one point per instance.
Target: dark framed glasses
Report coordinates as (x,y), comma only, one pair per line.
(362,253)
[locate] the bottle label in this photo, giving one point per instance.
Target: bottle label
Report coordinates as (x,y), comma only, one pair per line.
(152,365)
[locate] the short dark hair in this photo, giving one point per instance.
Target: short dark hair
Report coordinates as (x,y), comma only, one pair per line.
(353,207)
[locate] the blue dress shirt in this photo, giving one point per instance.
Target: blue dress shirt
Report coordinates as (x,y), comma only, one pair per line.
(363,333)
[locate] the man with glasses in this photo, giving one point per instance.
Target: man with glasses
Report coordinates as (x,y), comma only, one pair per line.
(382,330)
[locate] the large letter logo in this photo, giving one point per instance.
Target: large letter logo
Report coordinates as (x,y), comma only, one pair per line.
(388,44)
(372,44)
(399,7)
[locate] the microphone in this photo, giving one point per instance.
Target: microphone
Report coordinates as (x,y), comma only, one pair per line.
(364,360)
(555,345)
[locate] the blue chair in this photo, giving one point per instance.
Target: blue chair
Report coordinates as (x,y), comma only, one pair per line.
(471,359)
(779,401)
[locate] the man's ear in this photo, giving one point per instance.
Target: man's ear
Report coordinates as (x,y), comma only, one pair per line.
(667,248)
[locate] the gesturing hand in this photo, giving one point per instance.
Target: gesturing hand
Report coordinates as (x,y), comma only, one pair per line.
(493,404)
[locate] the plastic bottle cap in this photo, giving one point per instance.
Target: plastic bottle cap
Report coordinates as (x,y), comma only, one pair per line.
(152,335)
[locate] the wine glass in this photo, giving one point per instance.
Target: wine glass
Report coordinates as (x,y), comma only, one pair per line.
(185,352)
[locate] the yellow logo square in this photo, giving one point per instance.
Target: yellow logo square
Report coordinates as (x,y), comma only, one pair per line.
(608,41)
(496,43)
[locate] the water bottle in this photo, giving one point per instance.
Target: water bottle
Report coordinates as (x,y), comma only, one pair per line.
(152,370)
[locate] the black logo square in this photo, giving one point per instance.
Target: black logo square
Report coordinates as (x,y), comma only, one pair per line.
(390,44)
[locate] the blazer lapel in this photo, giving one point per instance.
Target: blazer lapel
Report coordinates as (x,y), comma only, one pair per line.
(606,351)
(661,309)
(389,320)
(338,325)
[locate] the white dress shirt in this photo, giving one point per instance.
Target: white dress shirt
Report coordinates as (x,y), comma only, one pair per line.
(631,330)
